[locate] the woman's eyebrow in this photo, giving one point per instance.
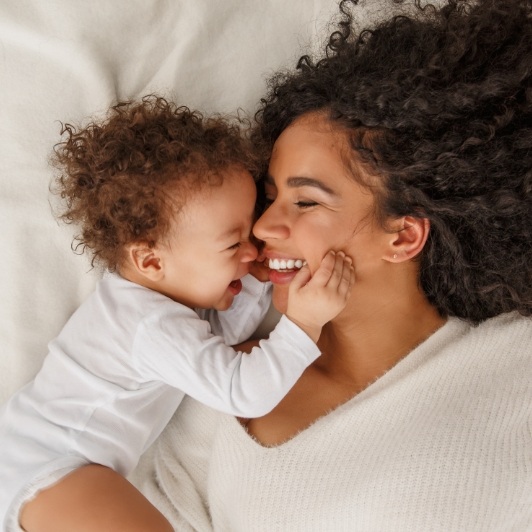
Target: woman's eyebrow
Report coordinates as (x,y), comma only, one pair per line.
(295,182)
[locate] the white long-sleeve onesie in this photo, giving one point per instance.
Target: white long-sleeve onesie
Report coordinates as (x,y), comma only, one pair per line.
(119,369)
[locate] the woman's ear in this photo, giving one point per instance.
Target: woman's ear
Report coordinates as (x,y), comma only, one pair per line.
(408,240)
(145,260)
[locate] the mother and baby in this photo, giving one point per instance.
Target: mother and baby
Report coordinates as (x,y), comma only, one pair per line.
(404,155)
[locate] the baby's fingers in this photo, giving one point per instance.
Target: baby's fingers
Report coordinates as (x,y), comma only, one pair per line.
(341,264)
(301,278)
(323,274)
(348,278)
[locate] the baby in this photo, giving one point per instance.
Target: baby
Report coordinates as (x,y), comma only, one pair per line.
(165,202)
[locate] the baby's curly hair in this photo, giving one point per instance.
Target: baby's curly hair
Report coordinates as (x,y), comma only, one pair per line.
(438,104)
(115,174)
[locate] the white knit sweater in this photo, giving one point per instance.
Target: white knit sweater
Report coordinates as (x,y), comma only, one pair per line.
(442,442)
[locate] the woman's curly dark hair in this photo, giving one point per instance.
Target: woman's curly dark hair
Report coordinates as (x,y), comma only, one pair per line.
(437,103)
(115,174)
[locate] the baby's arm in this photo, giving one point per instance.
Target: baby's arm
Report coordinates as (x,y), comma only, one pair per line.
(180,350)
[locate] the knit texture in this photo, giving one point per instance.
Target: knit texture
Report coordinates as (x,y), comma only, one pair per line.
(442,442)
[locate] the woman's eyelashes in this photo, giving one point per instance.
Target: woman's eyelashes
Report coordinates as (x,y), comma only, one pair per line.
(234,246)
(305,204)
(301,204)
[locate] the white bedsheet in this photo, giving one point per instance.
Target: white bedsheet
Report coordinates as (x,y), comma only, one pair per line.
(66,60)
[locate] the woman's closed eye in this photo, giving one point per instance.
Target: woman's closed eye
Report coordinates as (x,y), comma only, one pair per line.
(234,246)
(302,204)
(305,204)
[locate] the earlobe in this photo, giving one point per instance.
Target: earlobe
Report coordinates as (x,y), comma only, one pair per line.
(145,260)
(409,240)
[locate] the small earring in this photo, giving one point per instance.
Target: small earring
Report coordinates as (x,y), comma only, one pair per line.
(395,255)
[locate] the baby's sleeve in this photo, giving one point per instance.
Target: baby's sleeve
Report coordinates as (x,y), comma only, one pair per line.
(178,348)
(240,321)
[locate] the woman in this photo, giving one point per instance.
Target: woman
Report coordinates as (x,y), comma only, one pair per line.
(408,147)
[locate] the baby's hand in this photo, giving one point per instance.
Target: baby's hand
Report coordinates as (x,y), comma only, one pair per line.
(312,302)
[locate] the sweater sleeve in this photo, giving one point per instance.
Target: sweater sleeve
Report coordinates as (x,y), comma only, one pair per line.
(177,347)
(246,313)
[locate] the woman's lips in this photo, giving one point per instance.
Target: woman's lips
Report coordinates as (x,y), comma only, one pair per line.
(235,287)
(283,277)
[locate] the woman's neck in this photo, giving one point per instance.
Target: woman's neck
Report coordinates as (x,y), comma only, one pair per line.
(360,346)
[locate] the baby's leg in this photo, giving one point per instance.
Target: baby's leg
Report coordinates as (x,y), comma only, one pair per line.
(92,499)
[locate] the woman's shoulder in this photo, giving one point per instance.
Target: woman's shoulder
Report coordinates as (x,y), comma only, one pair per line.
(506,322)
(494,356)
(509,333)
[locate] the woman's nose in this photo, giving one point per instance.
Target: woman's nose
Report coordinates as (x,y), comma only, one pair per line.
(248,252)
(271,224)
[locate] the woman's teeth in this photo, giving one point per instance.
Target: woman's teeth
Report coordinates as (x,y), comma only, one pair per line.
(289,264)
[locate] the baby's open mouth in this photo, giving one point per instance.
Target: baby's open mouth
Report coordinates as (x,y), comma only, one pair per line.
(286,264)
(235,286)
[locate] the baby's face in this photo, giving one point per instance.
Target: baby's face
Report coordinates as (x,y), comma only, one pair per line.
(209,250)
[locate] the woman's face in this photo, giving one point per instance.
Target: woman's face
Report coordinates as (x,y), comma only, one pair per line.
(316,205)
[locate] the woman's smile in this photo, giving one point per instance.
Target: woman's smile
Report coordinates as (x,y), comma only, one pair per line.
(281,267)
(288,264)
